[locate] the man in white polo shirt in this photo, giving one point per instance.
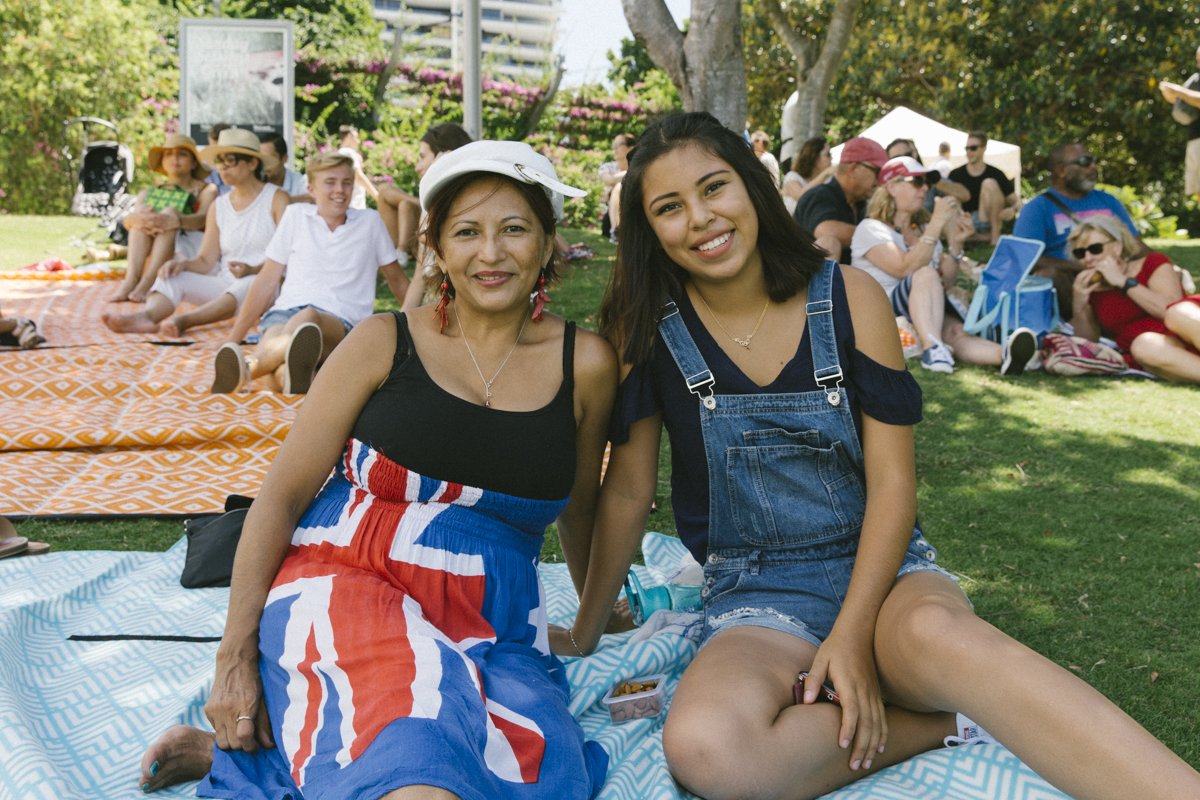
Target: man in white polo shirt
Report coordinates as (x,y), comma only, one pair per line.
(331,254)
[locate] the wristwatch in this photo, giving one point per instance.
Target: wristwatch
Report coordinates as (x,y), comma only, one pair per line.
(1129,284)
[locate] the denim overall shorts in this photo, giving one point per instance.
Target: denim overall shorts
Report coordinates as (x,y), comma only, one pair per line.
(787,491)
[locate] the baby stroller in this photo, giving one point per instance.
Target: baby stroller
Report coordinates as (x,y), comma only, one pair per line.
(105,172)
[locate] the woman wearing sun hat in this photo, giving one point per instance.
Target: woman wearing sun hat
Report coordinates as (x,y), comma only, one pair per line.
(386,626)
(168,219)
(237,229)
(900,246)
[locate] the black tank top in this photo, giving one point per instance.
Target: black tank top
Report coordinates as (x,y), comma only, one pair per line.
(418,424)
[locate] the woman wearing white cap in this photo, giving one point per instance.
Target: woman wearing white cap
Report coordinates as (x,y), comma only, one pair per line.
(388,639)
(236,232)
(904,253)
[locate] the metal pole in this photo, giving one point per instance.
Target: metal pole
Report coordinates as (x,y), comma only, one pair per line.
(472,68)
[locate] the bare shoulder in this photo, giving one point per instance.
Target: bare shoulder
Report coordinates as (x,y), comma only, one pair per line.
(367,351)
(873,318)
(595,359)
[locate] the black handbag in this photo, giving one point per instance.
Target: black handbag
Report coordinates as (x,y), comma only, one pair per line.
(211,544)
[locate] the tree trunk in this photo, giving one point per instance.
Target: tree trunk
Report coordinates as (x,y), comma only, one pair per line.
(385,75)
(539,110)
(814,75)
(705,64)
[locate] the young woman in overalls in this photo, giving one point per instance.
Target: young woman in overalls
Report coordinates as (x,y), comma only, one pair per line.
(781,383)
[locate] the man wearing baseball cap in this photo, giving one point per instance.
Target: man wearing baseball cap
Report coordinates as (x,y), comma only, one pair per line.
(832,210)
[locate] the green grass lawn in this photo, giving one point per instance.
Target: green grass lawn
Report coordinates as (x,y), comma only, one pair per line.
(1069,506)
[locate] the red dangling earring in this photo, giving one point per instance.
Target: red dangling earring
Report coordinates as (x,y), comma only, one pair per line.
(439,310)
(540,298)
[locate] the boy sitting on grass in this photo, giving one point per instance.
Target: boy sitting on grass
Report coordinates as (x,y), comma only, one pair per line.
(331,253)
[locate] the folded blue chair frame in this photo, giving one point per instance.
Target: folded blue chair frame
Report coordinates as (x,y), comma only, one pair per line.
(1008,297)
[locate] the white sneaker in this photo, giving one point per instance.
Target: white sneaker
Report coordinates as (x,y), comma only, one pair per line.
(938,359)
(969,732)
(1018,350)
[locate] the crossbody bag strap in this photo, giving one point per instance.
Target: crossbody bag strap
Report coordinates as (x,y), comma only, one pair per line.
(1071,214)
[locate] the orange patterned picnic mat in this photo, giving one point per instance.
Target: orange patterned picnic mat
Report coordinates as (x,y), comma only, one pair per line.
(67,312)
(129,428)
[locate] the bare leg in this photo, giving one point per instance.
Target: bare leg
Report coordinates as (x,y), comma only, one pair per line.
(933,652)
(162,250)
(971,349)
(1166,356)
(139,249)
(389,203)
(269,354)
(223,307)
(181,754)
(927,306)
(7,324)
(145,321)
(1183,320)
(991,204)
(409,220)
(753,742)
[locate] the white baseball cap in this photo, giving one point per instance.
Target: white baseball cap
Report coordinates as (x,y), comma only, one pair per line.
(515,160)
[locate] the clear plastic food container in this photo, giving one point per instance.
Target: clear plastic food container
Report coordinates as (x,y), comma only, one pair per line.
(637,698)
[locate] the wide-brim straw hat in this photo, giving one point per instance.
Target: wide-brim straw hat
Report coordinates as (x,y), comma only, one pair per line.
(241,141)
(178,141)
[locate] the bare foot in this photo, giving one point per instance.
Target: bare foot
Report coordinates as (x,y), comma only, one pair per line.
(129,323)
(121,296)
(172,327)
(181,754)
(137,296)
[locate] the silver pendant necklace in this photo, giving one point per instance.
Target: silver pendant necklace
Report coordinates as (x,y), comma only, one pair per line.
(487,384)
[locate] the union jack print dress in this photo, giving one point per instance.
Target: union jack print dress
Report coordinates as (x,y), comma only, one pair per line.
(404,643)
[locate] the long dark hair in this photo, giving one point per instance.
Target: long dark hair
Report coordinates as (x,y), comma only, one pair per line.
(806,162)
(645,277)
(445,137)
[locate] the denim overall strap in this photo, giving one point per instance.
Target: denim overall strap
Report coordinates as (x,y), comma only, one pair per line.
(695,371)
(827,367)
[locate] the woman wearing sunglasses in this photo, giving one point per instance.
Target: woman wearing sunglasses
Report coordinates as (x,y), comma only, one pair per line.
(899,244)
(1138,300)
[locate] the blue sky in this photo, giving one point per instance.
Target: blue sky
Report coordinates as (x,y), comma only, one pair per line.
(588,29)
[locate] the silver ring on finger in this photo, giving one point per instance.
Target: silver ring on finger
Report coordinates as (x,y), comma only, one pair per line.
(245,716)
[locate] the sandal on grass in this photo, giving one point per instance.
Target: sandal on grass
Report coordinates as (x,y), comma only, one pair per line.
(13,546)
(20,546)
(26,333)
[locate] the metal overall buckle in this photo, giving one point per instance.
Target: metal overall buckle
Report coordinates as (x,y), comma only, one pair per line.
(697,383)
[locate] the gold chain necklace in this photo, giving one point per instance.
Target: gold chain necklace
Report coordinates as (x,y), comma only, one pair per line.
(744,341)
(487,385)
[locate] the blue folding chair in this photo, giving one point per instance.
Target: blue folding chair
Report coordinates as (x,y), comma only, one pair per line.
(1008,297)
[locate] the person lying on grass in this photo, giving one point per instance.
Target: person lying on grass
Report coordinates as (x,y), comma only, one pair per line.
(331,254)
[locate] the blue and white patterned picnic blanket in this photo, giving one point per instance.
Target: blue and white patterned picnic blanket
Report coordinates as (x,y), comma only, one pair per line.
(75,716)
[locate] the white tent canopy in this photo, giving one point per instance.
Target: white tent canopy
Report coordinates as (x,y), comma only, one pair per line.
(904,123)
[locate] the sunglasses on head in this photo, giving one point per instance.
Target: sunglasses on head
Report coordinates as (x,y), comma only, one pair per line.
(1082,161)
(918,181)
(971,148)
(1095,249)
